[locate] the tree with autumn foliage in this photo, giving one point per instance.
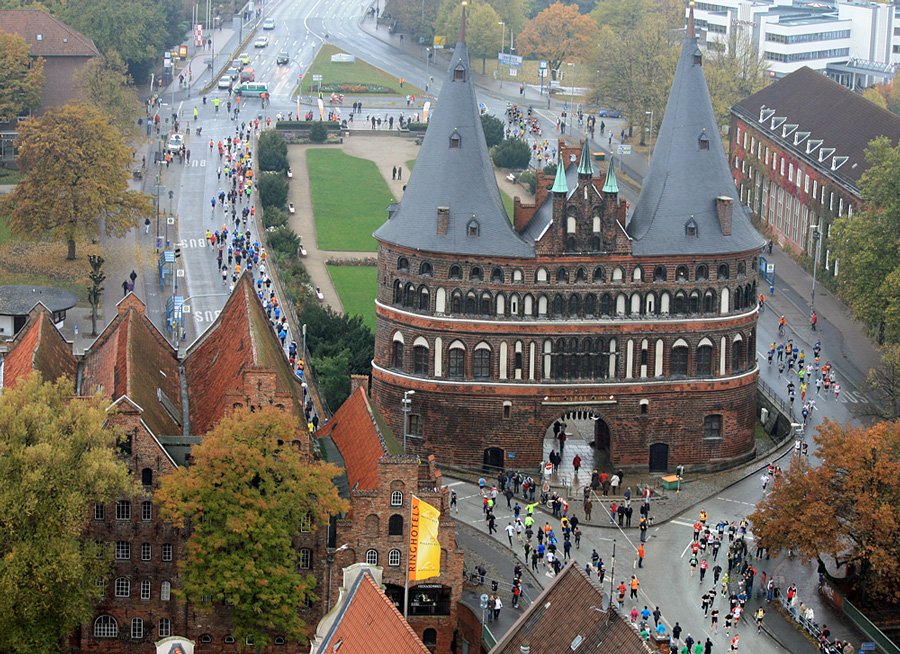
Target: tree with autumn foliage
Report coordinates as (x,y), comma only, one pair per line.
(57,460)
(248,491)
(104,82)
(76,179)
(21,78)
(559,34)
(843,512)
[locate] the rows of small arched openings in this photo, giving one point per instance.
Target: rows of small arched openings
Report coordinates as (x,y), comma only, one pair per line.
(581,274)
(474,302)
(573,358)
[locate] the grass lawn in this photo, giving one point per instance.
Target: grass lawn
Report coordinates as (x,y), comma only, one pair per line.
(356,72)
(350,200)
(357,286)
(10,176)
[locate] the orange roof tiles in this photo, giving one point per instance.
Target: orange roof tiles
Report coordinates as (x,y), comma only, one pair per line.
(354,431)
(39,346)
(369,622)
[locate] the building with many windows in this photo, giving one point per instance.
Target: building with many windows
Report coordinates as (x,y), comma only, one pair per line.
(643,324)
(797,150)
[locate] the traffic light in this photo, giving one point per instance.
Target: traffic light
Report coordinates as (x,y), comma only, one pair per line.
(177,253)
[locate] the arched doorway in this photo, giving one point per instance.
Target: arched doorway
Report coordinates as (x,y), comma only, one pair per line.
(493,460)
(587,436)
(659,457)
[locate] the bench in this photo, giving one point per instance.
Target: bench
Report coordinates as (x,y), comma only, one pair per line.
(511,178)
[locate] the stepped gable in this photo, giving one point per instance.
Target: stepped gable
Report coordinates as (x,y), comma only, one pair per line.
(132,358)
(240,340)
(39,346)
(454,171)
(687,173)
(543,217)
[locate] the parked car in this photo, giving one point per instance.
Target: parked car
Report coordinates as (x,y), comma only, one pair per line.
(261,42)
(269,24)
(282,58)
(612,112)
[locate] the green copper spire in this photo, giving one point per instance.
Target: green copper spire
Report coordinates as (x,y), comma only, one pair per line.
(559,185)
(611,185)
(585,167)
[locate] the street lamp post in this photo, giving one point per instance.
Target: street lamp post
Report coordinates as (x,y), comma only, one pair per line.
(571,97)
(502,44)
(817,239)
(406,405)
(650,113)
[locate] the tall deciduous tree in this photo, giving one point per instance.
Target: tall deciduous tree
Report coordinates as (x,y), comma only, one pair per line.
(845,510)
(105,83)
(885,383)
(733,71)
(483,33)
(21,77)
(247,494)
(75,179)
(867,246)
(559,34)
(56,461)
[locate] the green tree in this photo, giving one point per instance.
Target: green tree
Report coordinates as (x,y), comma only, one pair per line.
(483,34)
(284,241)
(620,14)
(416,18)
(273,190)
(318,132)
(884,381)
(272,151)
(734,72)
(559,34)
(247,494)
(21,78)
(512,12)
(76,177)
(105,83)
(845,511)
(57,459)
(867,246)
(333,374)
(511,153)
(494,129)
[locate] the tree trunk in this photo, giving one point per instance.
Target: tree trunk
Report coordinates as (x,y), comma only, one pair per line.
(93,320)
(71,255)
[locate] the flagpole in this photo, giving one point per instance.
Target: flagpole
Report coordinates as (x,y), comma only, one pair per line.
(406,578)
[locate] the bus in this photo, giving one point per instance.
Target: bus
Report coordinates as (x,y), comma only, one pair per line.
(252,89)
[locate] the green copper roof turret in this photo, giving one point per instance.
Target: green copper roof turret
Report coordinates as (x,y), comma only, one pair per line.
(585,167)
(559,185)
(611,185)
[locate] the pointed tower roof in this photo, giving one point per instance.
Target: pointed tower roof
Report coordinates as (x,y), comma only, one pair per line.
(454,177)
(559,184)
(585,167)
(688,172)
(611,185)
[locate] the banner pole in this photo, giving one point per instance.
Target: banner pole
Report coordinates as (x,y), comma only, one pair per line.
(408,562)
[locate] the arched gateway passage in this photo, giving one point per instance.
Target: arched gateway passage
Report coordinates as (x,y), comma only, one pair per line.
(586,436)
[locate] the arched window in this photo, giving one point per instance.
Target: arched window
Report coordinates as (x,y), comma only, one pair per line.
(590,304)
(681,274)
(540,276)
(456,360)
(486,302)
(476,274)
(429,637)
(497,275)
(742,269)
(165,591)
(403,264)
(372,557)
(137,628)
(660,274)
(279,640)
(557,364)
(105,626)
(501,305)
(580,276)
(206,639)
(704,358)
(709,301)
(425,269)
(618,275)
(542,305)
(570,244)
(723,271)
(398,355)
(482,361)
(680,358)
(680,303)
(395,525)
(397,498)
(518,276)
(694,302)
(409,295)
(424,298)
(571,224)
(123,587)
(420,359)
(394,558)
(147,477)
(650,304)
(702,272)
(557,305)
(562,276)
(528,305)
(164,628)
(398,292)
(599,275)
(471,304)
(456,302)
(637,275)
(455,272)
(737,356)
(738,298)
(606,304)
(574,305)
(304,559)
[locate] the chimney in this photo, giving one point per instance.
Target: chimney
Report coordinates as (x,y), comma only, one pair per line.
(443,220)
(357,381)
(724,208)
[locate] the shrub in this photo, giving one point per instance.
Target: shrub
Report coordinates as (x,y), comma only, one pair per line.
(274,217)
(528,179)
(550,170)
(511,153)
(284,241)
(493,129)
(273,190)
(272,151)
(318,132)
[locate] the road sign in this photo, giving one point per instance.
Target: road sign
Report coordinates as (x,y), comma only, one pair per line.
(866,647)
(185,308)
(439,41)
(507,59)
(542,64)
(623,149)
(179,272)
(513,72)
(317,78)
(542,72)
(770,268)
(170,220)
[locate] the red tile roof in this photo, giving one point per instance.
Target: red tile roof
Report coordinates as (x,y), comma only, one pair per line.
(358,438)
(369,622)
(39,346)
(46,35)
(241,338)
(566,611)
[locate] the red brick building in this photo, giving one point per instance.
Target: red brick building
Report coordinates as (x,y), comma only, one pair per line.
(643,322)
(798,154)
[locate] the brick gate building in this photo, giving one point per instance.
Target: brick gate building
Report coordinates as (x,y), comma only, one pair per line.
(645,323)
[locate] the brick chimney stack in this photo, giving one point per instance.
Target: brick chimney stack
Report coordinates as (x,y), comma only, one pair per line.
(725,208)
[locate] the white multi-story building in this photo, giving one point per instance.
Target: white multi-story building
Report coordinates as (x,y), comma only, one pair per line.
(854,43)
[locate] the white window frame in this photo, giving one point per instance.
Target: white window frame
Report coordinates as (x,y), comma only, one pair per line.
(99,512)
(395,557)
(137,628)
(305,523)
(164,628)
(167,552)
(146,589)
(122,587)
(304,559)
(146,552)
(372,557)
(397,498)
(105,626)
(123,550)
(123,511)
(165,591)
(146,510)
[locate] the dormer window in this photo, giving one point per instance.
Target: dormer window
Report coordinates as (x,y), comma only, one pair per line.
(455,140)
(472,228)
(698,57)
(690,228)
(704,141)
(459,73)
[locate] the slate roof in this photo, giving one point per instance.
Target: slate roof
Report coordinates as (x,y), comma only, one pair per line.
(56,38)
(543,217)
(360,440)
(369,622)
(684,180)
(131,358)
(461,179)
(830,112)
(18,300)
(241,338)
(562,614)
(39,346)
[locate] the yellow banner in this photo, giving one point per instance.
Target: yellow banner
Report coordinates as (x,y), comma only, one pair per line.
(424,548)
